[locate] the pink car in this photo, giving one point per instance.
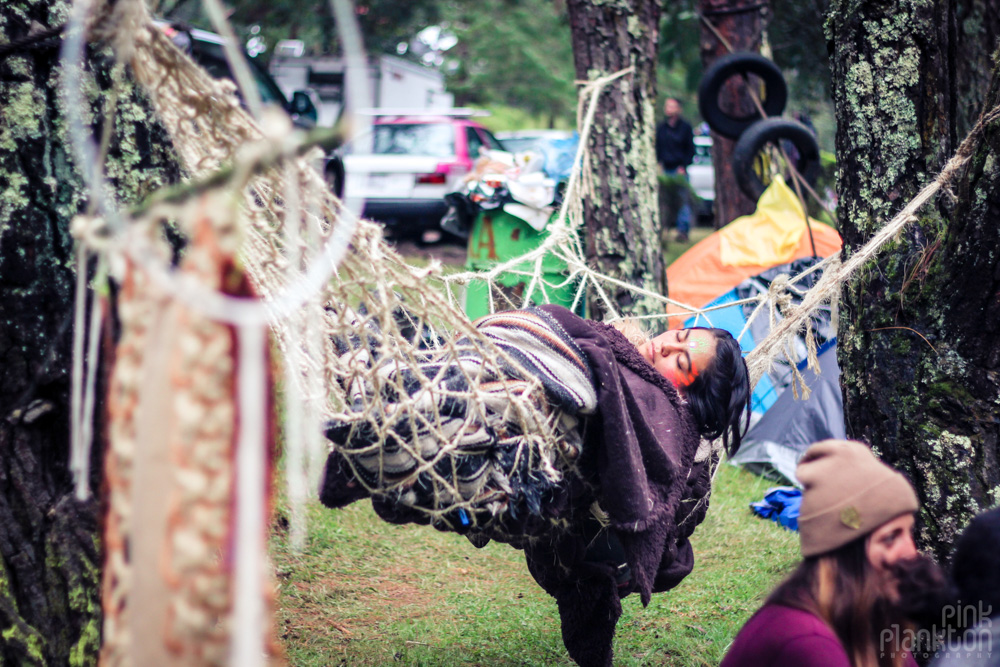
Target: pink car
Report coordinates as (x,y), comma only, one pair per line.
(407,164)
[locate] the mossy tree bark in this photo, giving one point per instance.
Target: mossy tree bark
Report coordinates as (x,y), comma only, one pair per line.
(621,209)
(920,327)
(49,542)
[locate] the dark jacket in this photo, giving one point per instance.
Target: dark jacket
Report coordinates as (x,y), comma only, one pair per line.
(674,145)
(643,443)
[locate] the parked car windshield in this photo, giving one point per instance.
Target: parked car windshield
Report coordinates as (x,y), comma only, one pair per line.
(518,141)
(432,139)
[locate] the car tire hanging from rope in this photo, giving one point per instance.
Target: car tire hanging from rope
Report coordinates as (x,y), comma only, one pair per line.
(773,131)
(773,99)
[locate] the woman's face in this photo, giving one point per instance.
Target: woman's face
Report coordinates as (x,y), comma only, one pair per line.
(680,355)
(892,542)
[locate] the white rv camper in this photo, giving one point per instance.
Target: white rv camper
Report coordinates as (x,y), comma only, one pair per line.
(394,83)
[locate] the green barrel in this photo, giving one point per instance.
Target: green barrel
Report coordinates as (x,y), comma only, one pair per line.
(498,236)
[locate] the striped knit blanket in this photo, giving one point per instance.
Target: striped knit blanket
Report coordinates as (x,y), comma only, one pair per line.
(465,442)
(538,344)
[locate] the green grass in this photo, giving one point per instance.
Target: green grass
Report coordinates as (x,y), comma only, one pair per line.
(365,592)
(675,249)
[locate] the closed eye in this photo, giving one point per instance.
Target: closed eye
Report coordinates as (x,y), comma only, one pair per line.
(684,363)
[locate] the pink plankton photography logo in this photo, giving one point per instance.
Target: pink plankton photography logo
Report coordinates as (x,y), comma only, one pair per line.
(966,632)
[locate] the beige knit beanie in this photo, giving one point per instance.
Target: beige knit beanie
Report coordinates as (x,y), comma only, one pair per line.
(847,493)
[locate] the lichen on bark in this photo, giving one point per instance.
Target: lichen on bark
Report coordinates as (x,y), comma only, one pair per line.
(621,213)
(919,334)
(49,549)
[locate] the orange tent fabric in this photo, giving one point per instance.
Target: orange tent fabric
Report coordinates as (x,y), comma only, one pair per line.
(699,275)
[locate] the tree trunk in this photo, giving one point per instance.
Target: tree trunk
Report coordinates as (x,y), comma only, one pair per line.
(920,328)
(741,23)
(49,544)
(621,211)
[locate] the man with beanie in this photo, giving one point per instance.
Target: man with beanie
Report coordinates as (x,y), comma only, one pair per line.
(840,606)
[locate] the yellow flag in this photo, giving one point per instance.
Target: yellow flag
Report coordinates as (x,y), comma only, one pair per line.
(770,234)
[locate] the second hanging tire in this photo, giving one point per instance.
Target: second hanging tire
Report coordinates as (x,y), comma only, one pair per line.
(724,68)
(773,131)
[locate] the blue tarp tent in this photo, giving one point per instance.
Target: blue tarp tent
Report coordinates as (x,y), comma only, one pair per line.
(783,425)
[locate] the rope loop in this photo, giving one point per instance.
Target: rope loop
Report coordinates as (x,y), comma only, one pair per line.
(778,292)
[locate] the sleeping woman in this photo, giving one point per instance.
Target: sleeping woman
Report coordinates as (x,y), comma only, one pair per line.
(576,442)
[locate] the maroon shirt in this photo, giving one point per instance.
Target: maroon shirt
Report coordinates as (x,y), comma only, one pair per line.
(778,636)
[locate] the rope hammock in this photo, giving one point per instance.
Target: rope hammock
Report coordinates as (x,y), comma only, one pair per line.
(365,343)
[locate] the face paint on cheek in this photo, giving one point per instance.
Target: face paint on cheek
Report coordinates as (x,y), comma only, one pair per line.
(682,378)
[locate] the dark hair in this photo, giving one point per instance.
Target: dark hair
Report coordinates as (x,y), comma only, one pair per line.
(842,588)
(924,591)
(719,397)
(974,565)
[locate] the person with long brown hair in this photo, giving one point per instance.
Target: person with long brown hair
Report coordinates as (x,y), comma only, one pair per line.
(841,606)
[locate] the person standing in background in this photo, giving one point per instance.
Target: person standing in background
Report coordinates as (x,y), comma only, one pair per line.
(674,153)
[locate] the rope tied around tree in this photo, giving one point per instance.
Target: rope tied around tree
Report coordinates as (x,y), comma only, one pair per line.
(829,285)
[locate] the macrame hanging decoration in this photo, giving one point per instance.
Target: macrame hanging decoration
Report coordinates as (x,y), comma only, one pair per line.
(171,470)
